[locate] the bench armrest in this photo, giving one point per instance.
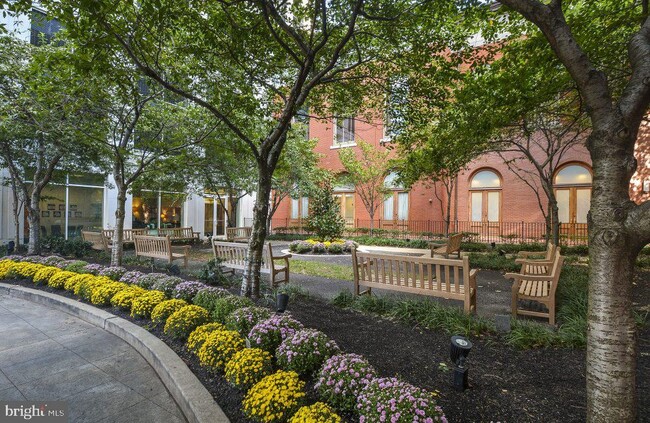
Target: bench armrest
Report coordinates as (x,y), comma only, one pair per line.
(526,254)
(519,276)
(282,257)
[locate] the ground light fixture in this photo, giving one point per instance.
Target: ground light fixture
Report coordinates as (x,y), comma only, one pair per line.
(281,303)
(460,348)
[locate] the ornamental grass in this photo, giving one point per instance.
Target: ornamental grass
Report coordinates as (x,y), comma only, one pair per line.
(182,322)
(269,333)
(200,334)
(143,305)
(275,398)
(219,347)
(242,320)
(124,298)
(101,295)
(248,366)
(315,413)
(305,351)
(341,379)
(43,276)
(391,400)
(162,311)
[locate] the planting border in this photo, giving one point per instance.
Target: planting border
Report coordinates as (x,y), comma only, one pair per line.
(196,403)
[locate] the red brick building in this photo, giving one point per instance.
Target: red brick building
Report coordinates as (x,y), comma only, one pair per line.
(489,199)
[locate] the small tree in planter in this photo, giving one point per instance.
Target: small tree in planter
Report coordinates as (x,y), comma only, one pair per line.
(325,218)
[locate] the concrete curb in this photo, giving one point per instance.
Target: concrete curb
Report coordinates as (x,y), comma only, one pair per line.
(194,400)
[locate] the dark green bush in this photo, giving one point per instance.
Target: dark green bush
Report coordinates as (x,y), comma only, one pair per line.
(75,247)
(212,273)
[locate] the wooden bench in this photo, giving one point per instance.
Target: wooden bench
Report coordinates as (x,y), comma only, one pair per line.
(436,277)
(537,266)
(97,239)
(539,288)
(451,246)
(239,234)
(180,234)
(127,234)
(234,254)
(158,247)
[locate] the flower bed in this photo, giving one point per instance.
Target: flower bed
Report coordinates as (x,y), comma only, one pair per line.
(314,246)
(268,370)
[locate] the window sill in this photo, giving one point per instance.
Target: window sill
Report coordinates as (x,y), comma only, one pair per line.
(345,145)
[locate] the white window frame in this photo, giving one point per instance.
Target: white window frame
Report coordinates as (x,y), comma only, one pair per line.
(335,130)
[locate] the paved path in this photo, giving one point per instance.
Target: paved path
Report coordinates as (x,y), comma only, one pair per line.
(49,355)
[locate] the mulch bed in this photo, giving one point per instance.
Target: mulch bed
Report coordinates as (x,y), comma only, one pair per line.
(506,385)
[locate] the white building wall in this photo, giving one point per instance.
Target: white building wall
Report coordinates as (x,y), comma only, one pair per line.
(245,212)
(194,213)
(110,205)
(18,27)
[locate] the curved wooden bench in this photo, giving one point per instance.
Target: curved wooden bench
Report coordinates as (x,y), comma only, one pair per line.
(97,240)
(443,278)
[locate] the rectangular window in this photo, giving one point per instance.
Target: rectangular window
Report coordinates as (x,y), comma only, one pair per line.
(349,207)
(388,208)
(493,206)
(403,206)
(295,208)
(344,131)
(583,201)
(562,196)
(304,212)
(42,29)
(477,206)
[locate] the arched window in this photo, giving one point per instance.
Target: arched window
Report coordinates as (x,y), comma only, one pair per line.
(396,204)
(573,193)
(485,196)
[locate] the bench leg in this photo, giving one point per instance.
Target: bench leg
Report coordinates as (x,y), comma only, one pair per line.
(515,288)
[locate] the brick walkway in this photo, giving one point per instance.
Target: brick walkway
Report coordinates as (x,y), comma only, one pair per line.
(49,355)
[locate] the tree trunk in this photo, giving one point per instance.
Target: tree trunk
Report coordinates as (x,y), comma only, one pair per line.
(17,206)
(613,247)
(232,214)
(372,222)
(117,250)
(555,223)
(34,218)
(251,282)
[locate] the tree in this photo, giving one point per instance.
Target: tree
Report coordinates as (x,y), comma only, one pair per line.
(297,173)
(616,98)
(260,58)
(41,110)
(325,218)
(367,173)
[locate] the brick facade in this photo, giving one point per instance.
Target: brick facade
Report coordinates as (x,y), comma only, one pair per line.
(518,201)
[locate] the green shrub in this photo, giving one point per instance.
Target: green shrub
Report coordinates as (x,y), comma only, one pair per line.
(76,266)
(182,322)
(391,242)
(226,305)
(493,261)
(208,297)
(325,218)
(242,320)
(212,273)
(76,247)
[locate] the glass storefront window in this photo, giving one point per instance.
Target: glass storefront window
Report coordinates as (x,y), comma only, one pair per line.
(53,210)
(145,211)
(85,210)
(170,210)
